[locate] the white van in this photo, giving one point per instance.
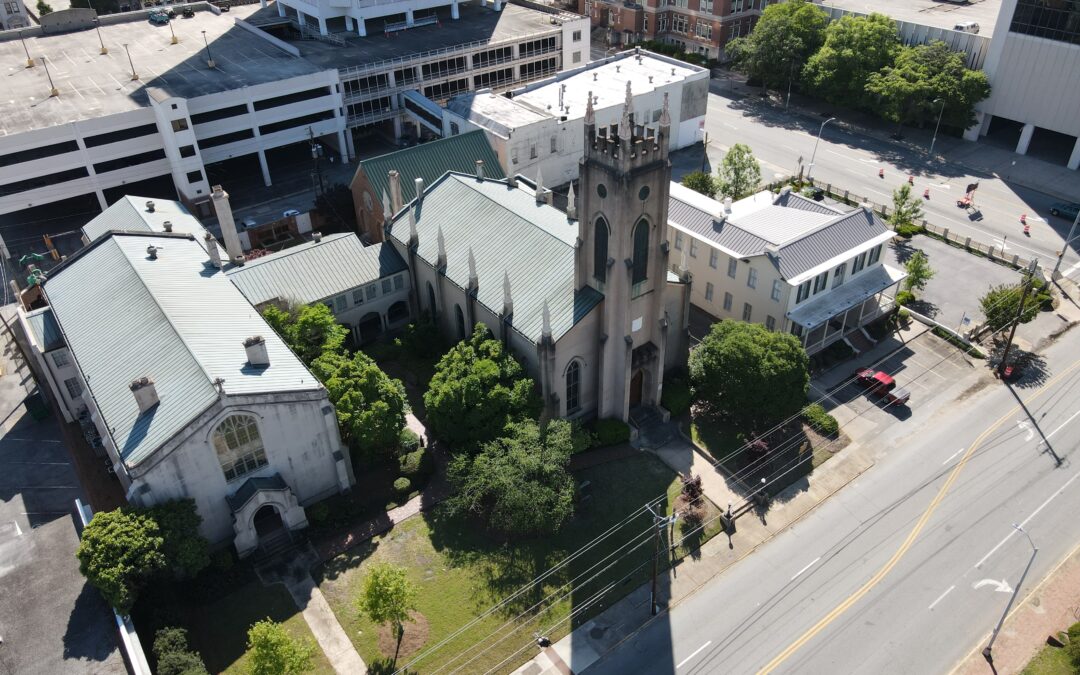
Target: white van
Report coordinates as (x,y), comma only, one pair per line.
(967,27)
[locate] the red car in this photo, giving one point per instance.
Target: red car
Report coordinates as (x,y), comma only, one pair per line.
(882,384)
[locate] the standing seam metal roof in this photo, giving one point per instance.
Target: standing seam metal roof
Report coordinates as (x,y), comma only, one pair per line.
(175,320)
(129,214)
(507,231)
(430,161)
(829,241)
(316,270)
(43,325)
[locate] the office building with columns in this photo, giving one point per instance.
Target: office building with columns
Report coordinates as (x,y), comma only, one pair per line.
(1033,64)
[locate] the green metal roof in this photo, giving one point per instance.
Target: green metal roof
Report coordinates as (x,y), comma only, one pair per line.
(316,270)
(46,333)
(430,161)
(508,232)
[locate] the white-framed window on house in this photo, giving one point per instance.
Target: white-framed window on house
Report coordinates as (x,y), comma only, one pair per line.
(838,275)
(576,57)
(714,258)
(358,296)
(770,323)
(387,286)
(777,287)
(693,247)
(239,446)
(732,267)
(875,255)
(705,6)
(858,263)
(703,30)
(678,241)
(371,291)
(662,23)
(751,278)
(821,282)
(399,282)
(747,311)
(727,302)
(645,24)
(804,291)
(60,359)
(74,387)
(708,291)
(576,36)
(679,23)
(341,303)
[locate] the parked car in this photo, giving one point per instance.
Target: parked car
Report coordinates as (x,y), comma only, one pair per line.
(188,12)
(1065,210)
(966,27)
(290,213)
(158,17)
(882,385)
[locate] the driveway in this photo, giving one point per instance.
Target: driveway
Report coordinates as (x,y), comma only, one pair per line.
(51,620)
(960,279)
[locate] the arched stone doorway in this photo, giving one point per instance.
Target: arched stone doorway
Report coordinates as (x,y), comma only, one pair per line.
(270,529)
(369,327)
(637,383)
(398,312)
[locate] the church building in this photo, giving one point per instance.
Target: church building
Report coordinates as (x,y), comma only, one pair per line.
(583,297)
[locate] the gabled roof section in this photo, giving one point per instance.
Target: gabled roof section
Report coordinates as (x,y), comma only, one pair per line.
(174,319)
(794,200)
(509,232)
(842,235)
(46,333)
(315,271)
(129,214)
(430,161)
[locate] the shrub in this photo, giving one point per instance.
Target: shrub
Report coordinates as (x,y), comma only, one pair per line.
(318,513)
(676,397)
(403,486)
(408,441)
(173,655)
(1073,648)
(909,231)
(904,315)
(610,432)
(824,423)
(904,297)
(422,338)
(416,464)
(170,639)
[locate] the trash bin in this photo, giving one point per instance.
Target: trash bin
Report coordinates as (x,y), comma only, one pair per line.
(37,406)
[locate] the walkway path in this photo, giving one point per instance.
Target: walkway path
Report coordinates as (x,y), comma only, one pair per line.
(687,460)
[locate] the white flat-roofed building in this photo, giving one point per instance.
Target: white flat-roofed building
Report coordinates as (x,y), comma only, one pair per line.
(538,129)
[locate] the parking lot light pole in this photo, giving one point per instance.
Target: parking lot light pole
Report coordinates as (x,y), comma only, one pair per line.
(938,125)
(209,58)
(810,169)
(97,27)
(988,650)
(1065,245)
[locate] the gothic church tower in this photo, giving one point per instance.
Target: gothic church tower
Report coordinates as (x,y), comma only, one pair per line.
(622,251)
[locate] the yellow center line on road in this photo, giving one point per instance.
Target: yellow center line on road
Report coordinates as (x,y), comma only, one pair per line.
(910,540)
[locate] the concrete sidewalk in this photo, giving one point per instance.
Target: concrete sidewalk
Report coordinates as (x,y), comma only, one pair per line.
(1052,606)
(590,641)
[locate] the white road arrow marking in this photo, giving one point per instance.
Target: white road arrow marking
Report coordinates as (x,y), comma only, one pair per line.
(999,586)
(1024,426)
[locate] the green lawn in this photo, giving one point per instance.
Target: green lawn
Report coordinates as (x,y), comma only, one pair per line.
(218,630)
(461,571)
(1050,661)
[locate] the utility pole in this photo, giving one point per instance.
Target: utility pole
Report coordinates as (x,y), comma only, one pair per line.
(988,650)
(1019,313)
(704,151)
(1065,246)
(316,169)
(659,522)
(813,156)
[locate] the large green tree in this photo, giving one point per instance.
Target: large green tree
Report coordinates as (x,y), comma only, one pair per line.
(478,387)
(519,484)
(739,173)
(855,47)
(119,553)
(309,330)
(784,38)
(388,596)
(918,270)
(701,182)
(275,652)
(753,376)
(907,209)
(370,404)
(186,552)
(1001,304)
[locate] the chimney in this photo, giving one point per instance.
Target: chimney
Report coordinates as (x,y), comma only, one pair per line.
(256,351)
(145,393)
(727,204)
(316,237)
(212,249)
(220,199)
(511,182)
(539,186)
(150,207)
(167,225)
(395,191)
(419,182)
(479,169)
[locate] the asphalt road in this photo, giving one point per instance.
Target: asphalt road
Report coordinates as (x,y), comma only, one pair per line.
(785,141)
(909,567)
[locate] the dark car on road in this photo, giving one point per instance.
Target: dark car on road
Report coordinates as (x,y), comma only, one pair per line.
(1065,210)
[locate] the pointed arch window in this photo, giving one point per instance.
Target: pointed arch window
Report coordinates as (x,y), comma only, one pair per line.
(641,251)
(432,307)
(239,446)
(460,322)
(573,387)
(600,250)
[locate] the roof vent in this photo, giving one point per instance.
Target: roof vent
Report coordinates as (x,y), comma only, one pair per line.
(479,169)
(145,393)
(256,351)
(167,225)
(419,183)
(212,249)
(150,206)
(727,204)
(650,79)
(151,251)
(618,68)
(594,75)
(316,237)
(511,181)
(673,72)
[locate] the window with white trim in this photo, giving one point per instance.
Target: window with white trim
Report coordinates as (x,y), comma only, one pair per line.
(858,263)
(770,323)
(714,258)
(747,310)
(875,255)
(732,267)
(573,387)
(751,278)
(387,286)
(838,275)
(239,446)
(60,358)
(358,296)
(777,287)
(678,241)
(399,282)
(74,387)
(708,291)
(727,302)
(804,292)
(341,303)
(821,282)
(693,247)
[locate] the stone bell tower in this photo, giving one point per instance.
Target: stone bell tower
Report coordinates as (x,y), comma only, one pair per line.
(622,251)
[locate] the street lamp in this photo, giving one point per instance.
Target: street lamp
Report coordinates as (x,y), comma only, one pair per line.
(134,75)
(810,169)
(938,125)
(209,58)
(988,650)
(29,60)
(97,27)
